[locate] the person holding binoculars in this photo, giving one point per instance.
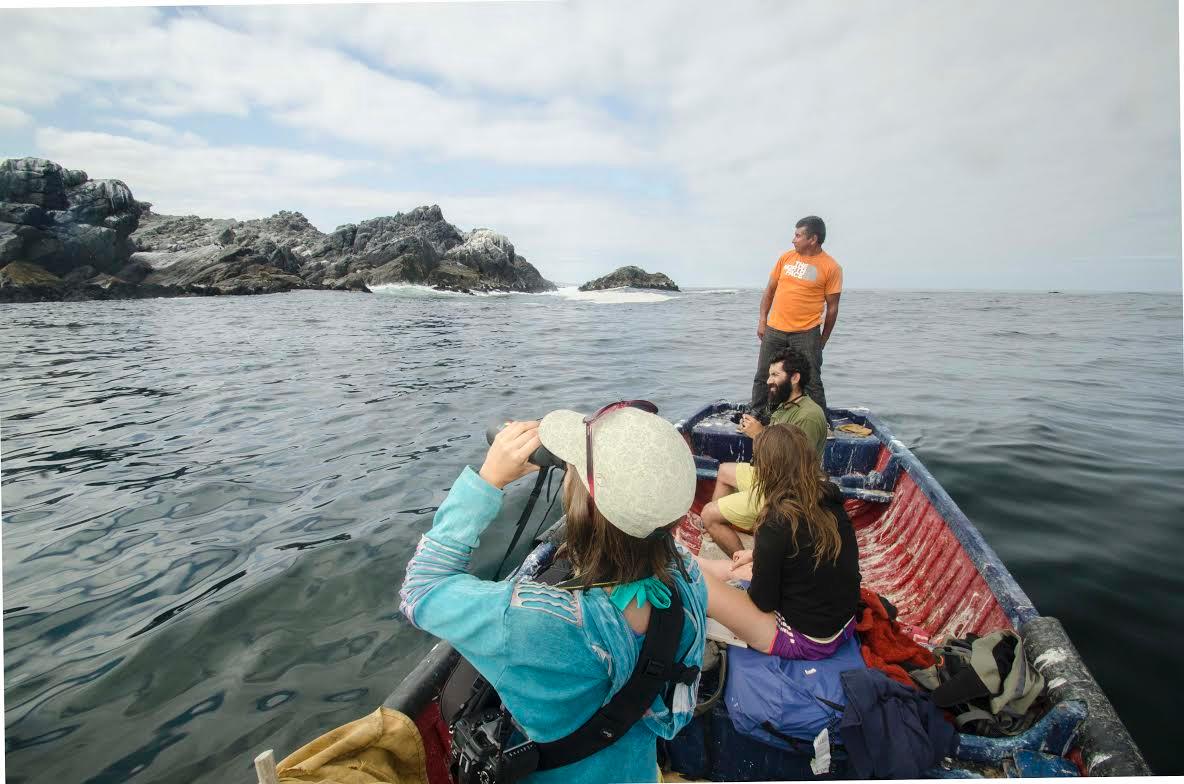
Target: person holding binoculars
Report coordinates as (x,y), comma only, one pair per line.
(555,654)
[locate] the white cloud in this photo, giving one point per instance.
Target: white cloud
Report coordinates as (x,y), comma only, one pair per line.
(157,132)
(51,53)
(12,117)
(939,143)
(509,48)
(224,181)
(167,70)
(931,137)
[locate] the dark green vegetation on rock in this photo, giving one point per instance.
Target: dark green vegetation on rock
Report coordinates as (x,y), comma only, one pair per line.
(633,277)
(77,238)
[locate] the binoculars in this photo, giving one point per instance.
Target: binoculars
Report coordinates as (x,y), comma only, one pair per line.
(542,456)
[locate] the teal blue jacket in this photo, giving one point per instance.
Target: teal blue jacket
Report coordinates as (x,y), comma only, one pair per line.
(555,656)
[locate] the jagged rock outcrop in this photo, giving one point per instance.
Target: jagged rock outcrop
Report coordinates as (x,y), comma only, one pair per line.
(94,239)
(59,220)
(418,247)
(261,256)
(24,282)
(486,261)
(64,236)
(421,247)
(633,277)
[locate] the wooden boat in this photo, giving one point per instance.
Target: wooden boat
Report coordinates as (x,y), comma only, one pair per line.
(919,550)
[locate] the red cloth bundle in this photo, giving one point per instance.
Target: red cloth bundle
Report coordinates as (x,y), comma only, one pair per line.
(885,646)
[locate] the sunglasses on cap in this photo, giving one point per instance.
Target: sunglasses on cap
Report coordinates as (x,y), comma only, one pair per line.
(643,405)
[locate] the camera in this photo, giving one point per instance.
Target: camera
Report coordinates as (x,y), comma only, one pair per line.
(759,414)
(476,746)
(480,753)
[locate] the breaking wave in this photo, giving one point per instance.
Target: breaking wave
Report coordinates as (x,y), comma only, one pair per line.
(611,296)
(416,290)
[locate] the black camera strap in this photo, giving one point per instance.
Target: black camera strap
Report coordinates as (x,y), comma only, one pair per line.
(657,672)
(524,518)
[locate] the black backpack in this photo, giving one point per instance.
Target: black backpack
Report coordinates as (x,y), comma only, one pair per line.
(986,682)
(482,729)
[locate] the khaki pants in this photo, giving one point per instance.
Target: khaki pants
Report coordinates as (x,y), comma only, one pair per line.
(809,343)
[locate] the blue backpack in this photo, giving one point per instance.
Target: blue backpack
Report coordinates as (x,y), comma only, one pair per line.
(779,701)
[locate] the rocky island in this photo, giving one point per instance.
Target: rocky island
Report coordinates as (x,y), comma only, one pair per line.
(633,277)
(64,236)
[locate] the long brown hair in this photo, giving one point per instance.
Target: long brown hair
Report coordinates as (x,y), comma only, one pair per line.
(601,553)
(788,475)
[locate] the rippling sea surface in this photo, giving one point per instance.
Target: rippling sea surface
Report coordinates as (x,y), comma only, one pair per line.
(208,503)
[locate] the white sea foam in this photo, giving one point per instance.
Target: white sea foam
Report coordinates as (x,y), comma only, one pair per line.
(612,296)
(617,296)
(409,289)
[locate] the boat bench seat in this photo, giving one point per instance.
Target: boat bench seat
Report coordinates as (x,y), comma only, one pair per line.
(865,487)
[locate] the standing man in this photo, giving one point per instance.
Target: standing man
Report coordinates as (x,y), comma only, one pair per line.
(802,281)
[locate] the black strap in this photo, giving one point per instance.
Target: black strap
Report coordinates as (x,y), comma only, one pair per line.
(656,667)
(523,519)
(832,705)
(794,743)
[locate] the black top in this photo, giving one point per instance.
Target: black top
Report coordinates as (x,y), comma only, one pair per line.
(817,603)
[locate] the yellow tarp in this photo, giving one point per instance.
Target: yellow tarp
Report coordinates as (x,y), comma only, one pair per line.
(383,747)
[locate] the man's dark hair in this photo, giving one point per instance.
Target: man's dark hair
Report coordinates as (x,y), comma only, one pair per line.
(793,361)
(814,225)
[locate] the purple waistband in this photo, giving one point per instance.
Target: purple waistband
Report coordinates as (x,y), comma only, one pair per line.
(792,644)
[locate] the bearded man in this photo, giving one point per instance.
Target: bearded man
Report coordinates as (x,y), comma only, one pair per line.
(734,505)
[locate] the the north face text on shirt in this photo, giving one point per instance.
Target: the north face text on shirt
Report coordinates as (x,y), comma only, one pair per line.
(803,283)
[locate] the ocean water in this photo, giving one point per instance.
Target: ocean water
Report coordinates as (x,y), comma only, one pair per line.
(208,504)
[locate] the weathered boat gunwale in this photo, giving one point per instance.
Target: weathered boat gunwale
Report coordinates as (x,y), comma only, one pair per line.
(1106,745)
(1008,593)
(423,683)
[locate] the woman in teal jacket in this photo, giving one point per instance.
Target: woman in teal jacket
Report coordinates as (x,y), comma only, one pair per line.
(555,655)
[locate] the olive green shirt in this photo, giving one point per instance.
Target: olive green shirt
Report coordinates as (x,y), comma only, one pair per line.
(808,416)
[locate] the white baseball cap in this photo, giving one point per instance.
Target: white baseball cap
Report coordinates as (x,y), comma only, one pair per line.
(644,471)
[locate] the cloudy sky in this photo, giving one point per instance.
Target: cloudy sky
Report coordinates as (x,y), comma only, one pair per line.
(1003,145)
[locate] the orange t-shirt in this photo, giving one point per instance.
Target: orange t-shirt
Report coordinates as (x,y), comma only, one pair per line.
(803,283)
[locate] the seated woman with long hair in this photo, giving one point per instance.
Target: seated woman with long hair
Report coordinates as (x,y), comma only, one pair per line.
(556,653)
(804,565)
